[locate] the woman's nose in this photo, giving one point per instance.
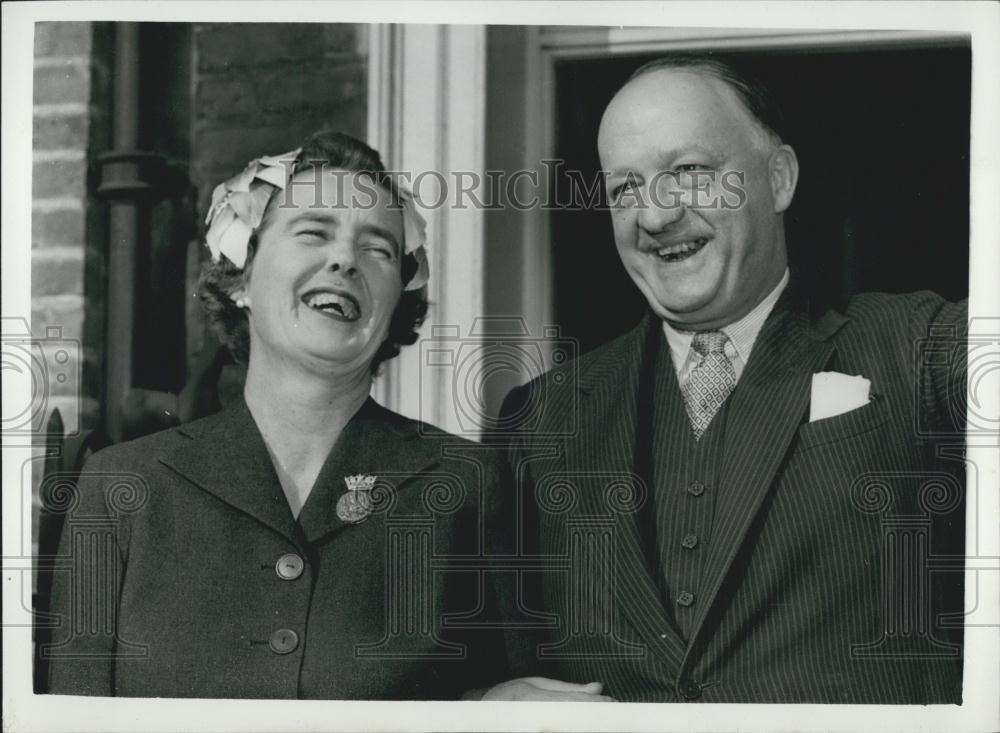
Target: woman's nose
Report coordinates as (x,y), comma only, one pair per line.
(342,258)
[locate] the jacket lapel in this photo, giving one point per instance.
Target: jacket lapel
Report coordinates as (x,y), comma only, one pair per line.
(606,445)
(376,442)
(227,458)
(764,415)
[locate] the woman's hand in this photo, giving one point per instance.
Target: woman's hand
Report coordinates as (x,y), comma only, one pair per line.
(543,689)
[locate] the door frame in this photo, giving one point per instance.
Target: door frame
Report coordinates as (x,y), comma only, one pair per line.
(426,107)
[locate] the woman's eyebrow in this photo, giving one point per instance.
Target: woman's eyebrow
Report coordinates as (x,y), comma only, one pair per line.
(318,217)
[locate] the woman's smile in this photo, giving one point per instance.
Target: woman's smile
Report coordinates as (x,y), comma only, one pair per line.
(333,303)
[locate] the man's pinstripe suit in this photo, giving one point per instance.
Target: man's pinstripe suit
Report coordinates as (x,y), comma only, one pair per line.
(811,581)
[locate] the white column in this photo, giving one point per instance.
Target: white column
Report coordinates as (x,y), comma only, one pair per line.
(426,113)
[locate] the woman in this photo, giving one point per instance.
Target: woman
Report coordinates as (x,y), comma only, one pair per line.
(284,547)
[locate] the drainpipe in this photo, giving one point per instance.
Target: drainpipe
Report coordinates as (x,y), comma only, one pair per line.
(128,178)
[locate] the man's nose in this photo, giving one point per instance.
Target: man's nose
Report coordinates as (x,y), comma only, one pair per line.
(660,209)
(342,257)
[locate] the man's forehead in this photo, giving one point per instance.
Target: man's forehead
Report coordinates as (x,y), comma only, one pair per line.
(680,97)
(689,83)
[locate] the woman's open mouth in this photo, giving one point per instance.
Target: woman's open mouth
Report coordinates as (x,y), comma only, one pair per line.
(333,303)
(681,250)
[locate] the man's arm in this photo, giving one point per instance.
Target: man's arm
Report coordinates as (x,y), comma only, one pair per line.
(939,334)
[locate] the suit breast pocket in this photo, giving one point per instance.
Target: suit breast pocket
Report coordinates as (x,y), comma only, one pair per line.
(846,425)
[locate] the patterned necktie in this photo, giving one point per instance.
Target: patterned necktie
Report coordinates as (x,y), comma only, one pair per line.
(710,382)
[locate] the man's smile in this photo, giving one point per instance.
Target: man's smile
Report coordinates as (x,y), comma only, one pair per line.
(681,250)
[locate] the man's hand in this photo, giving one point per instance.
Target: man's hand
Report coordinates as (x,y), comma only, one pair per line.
(543,689)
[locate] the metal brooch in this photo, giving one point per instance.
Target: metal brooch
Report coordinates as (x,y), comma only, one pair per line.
(356,504)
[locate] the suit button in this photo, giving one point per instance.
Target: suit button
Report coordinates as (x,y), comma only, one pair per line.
(685,598)
(289,567)
(283,641)
(697,488)
(689,689)
(690,541)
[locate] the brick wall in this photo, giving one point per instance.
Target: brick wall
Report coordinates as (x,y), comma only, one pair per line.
(259,89)
(71,127)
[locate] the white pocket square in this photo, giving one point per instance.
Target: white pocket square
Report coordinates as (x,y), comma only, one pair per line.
(834,394)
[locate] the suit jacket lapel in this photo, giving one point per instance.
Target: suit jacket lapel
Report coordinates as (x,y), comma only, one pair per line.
(376,442)
(606,445)
(764,415)
(227,458)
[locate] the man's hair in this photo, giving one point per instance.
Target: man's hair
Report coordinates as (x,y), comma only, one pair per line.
(755,97)
(219,279)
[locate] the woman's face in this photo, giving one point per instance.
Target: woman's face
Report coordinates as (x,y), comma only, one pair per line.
(326,275)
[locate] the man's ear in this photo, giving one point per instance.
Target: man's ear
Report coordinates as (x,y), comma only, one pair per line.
(783,168)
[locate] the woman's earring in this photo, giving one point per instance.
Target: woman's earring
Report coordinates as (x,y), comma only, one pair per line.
(241,303)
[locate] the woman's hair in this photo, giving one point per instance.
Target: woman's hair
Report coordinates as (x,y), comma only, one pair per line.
(219,279)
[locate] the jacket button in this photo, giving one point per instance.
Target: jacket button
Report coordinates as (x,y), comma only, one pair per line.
(685,598)
(697,488)
(289,567)
(283,641)
(689,689)
(690,541)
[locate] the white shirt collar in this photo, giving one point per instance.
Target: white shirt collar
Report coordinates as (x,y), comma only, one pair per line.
(742,335)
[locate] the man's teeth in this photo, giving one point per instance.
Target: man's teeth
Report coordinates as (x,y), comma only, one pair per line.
(331,301)
(682,248)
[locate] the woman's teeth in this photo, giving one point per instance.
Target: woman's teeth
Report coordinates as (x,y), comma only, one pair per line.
(681,251)
(342,305)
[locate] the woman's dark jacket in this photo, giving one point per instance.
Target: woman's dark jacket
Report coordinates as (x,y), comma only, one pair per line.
(184,574)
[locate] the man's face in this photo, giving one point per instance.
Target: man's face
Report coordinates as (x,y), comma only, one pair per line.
(701,260)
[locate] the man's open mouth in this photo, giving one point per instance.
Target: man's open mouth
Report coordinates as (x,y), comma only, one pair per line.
(335,304)
(681,250)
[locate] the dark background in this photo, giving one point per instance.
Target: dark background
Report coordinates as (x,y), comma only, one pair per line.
(882,204)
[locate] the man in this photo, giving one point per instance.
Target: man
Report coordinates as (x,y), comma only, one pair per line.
(723,512)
